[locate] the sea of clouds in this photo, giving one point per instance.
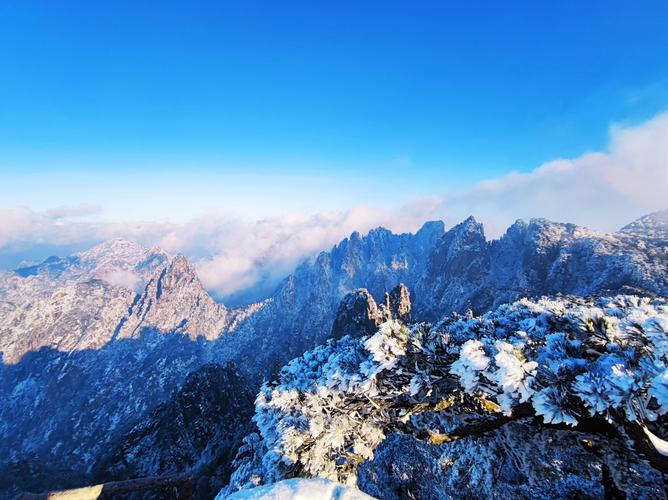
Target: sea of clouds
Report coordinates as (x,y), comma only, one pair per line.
(601,190)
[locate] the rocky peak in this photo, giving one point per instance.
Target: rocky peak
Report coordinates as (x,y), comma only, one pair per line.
(117,248)
(378,235)
(654,225)
(359,314)
(469,226)
(465,236)
(430,232)
(517,230)
(178,279)
(179,274)
(459,248)
(398,303)
(546,231)
(175,300)
(435,227)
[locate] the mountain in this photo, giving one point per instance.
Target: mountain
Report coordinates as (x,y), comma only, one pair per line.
(197,430)
(557,398)
(86,357)
(175,301)
(654,225)
(117,262)
(465,271)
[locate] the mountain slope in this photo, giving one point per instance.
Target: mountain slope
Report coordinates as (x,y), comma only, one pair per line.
(89,365)
(74,317)
(197,430)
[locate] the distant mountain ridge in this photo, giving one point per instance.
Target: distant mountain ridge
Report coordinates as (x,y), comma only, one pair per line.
(117,354)
(654,225)
(117,262)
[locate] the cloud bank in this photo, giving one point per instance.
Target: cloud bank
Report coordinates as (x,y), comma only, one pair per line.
(601,190)
(231,253)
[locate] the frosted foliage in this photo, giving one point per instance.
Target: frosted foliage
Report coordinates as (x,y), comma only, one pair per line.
(471,363)
(564,359)
(550,403)
(304,420)
(513,376)
(385,346)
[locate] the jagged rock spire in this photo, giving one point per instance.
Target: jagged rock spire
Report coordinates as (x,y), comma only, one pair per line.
(398,303)
(359,315)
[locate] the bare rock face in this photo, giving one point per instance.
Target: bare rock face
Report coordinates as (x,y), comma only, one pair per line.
(398,303)
(359,315)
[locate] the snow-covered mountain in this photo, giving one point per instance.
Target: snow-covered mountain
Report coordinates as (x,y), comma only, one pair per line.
(198,429)
(561,398)
(654,225)
(86,359)
(117,262)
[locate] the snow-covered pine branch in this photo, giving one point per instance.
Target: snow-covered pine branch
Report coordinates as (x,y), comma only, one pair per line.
(565,359)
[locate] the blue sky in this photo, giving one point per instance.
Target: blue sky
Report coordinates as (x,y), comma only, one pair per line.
(262,108)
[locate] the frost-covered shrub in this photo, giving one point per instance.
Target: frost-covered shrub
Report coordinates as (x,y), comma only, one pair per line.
(310,421)
(563,359)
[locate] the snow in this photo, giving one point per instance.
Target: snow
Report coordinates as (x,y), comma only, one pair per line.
(472,361)
(299,489)
(568,358)
(659,444)
(659,390)
(514,375)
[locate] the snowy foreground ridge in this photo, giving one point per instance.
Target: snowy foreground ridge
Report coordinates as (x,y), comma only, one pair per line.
(300,489)
(556,397)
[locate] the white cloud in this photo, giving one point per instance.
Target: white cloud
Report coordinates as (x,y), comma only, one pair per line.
(126,279)
(602,190)
(72,211)
(231,253)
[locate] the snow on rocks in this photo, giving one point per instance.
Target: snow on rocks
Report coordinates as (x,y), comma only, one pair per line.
(299,489)
(564,359)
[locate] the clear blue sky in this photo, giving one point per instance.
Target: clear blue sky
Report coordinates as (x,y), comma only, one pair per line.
(268,106)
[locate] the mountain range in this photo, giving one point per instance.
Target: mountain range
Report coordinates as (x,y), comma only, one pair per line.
(105,352)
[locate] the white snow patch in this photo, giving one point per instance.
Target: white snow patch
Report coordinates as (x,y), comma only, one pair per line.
(300,489)
(659,444)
